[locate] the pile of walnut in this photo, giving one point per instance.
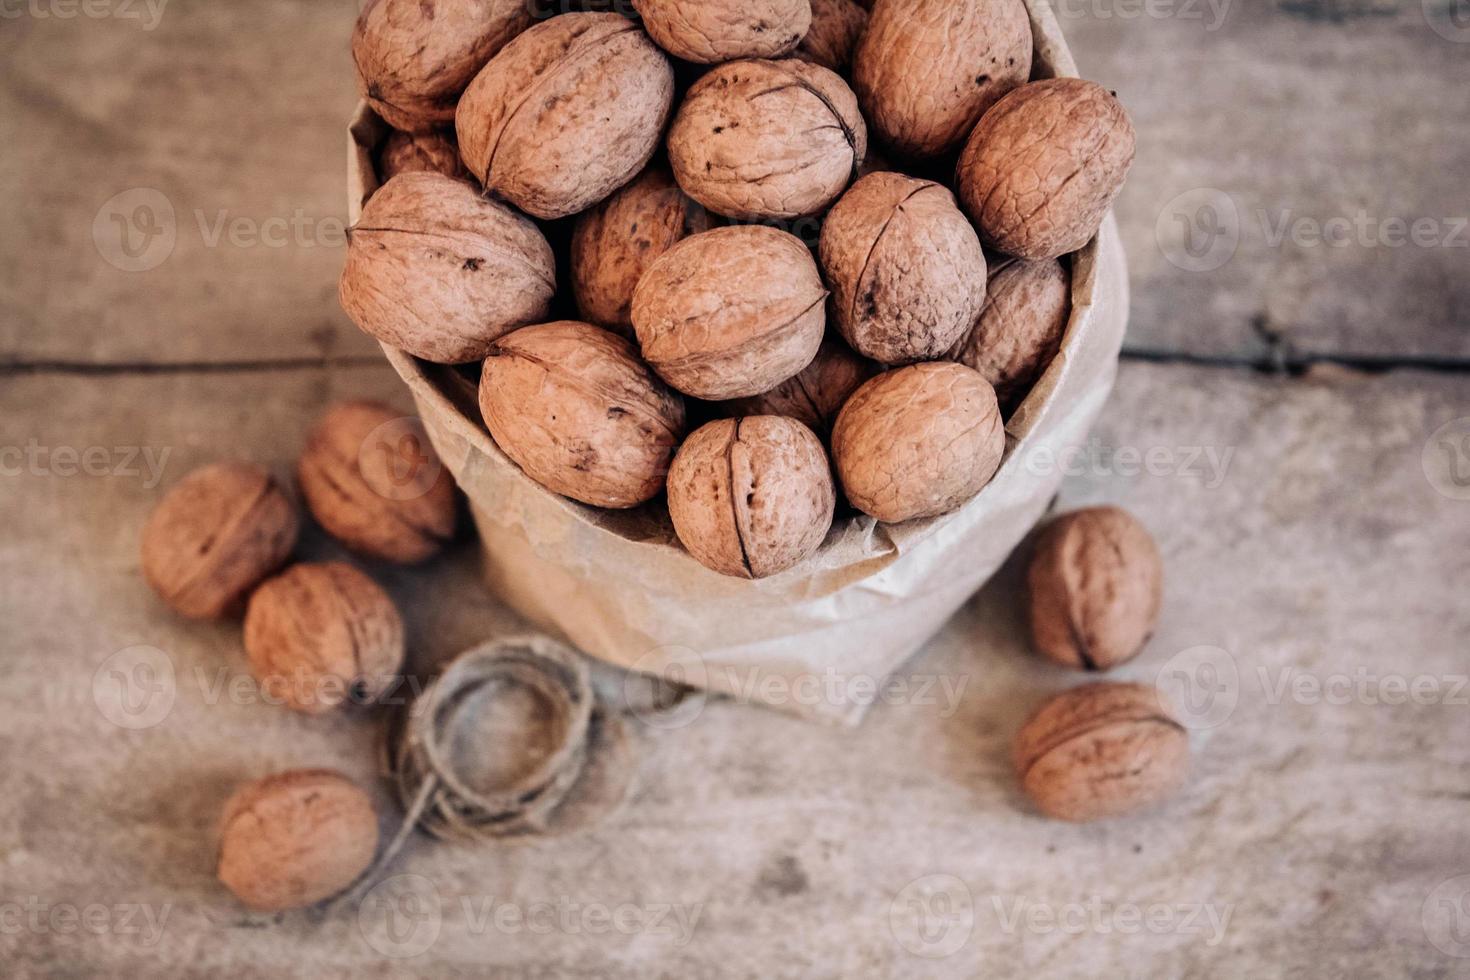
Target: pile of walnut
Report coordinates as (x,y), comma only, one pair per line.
(681,148)
(318,635)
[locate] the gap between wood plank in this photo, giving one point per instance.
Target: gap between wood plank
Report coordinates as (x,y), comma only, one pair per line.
(1292,365)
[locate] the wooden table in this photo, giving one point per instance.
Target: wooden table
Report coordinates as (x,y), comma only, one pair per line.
(1317,540)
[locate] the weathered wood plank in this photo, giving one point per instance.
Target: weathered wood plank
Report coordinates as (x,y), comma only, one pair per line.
(1282,116)
(1328,139)
(1301,535)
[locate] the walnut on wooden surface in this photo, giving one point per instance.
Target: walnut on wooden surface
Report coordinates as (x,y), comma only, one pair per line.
(1101,750)
(215,536)
(372,480)
(1096,584)
(296,838)
(322,634)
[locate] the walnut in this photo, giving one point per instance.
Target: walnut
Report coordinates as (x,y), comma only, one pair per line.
(752,497)
(837,26)
(710,31)
(731,312)
(927,70)
(435,270)
(566,114)
(918,442)
(372,480)
(408,153)
(1027,306)
(1044,165)
(767,139)
(616,242)
(905,266)
(816,395)
(415,58)
(214,536)
(1101,750)
(296,838)
(319,635)
(1096,585)
(577,410)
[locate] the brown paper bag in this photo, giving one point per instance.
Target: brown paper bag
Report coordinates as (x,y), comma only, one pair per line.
(819,640)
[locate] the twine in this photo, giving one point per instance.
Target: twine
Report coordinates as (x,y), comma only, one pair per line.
(437,798)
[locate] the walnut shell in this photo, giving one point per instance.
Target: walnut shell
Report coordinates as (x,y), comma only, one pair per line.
(710,31)
(767,139)
(906,269)
(918,442)
(414,58)
(1044,165)
(731,312)
(435,270)
(832,40)
(927,70)
(321,634)
(1101,750)
(816,395)
(577,410)
(614,244)
(1096,586)
(752,497)
(411,153)
(295,838)
(566,114)
(215,536)
(373,481)
(1027,306)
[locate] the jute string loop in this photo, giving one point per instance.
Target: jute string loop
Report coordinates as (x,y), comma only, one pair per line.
(437,797)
